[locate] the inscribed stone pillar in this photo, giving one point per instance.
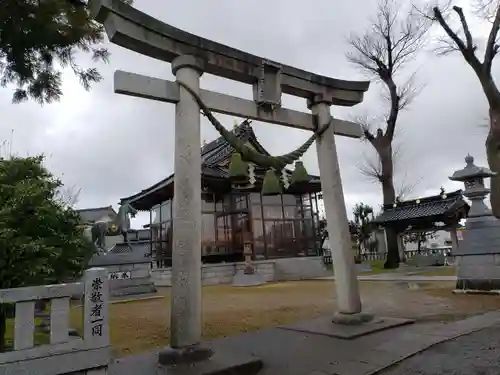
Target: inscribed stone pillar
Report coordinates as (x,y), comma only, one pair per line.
(185,326)
(348,298)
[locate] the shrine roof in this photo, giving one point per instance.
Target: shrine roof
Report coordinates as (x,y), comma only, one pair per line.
(434,207)
(214,156)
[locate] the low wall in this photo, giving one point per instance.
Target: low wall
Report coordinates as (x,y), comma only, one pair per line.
(270,270)
(300,268)
(65,354)
(214,274)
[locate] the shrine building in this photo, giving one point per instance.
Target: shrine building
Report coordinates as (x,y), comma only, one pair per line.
(279,223)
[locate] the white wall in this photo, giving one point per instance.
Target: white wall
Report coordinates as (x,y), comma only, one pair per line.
(439,238)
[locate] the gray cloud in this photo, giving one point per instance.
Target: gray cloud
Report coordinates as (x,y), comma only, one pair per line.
(113,146)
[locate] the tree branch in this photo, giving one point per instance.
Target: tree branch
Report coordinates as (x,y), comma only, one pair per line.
(465,27)
(491,45)
(395,105)
(405,188)
(454,36)
(371,168)
(467,50)
(367,124)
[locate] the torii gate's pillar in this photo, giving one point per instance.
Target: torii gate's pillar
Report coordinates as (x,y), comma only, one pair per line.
(349,301)
(185,326)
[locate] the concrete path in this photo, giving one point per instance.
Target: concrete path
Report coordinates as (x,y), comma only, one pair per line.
(477,353)
(288,352)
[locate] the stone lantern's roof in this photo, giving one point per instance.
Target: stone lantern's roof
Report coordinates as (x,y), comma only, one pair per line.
(471,171)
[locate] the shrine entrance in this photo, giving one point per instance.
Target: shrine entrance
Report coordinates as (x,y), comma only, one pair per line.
(191,56)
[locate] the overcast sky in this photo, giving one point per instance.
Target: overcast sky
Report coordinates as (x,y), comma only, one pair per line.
(111,146)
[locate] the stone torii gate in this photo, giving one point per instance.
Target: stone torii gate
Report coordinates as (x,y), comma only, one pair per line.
(190,56)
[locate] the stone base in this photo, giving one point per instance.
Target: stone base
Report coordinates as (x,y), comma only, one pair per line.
(478,284)
(325,326)
(187,362)
(351,319)
(187,355)
(241,278)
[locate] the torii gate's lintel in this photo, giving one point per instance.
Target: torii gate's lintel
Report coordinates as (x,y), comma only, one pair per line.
(167,91)
(137,31)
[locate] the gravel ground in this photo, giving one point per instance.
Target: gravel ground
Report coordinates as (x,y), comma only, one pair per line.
(474,354)
(227,311)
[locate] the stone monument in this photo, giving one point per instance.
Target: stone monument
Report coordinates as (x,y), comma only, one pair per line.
(129,272)
(190,56)
(128,265)
(478,256)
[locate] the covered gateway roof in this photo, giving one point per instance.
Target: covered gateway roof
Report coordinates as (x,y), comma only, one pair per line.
(214,156)
(440,207)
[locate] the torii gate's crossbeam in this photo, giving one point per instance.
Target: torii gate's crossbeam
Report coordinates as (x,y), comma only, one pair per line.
(137,31)
(167,91)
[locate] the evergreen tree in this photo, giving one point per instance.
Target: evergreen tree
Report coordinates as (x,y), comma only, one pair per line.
(41,239)
(40,38)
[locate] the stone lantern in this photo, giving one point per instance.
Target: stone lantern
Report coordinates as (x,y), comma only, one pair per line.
(478,256)
(248,275)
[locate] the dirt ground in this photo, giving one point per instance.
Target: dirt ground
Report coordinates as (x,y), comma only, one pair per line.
(143,325)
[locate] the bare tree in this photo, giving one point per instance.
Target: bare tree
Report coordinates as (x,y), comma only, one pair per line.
(394,38)
(68,195)
(370,166)
(461,40)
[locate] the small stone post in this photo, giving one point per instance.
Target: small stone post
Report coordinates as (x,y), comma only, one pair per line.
(349,301)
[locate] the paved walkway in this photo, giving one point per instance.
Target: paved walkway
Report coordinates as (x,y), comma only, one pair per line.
(288,352)
(477,353)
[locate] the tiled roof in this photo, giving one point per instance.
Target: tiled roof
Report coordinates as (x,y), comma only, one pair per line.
(90,215)
(420,208)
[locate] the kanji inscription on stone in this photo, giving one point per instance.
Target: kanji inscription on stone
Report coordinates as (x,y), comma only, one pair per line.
(95,306)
